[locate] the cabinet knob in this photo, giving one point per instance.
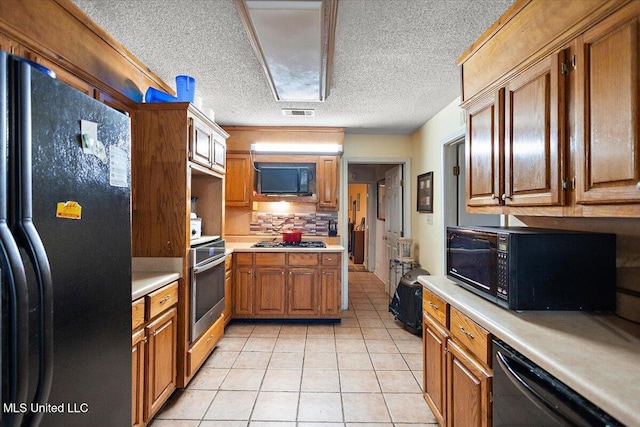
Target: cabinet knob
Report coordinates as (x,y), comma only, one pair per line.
(493,196)
(505,197)
(432,305)
(638,185)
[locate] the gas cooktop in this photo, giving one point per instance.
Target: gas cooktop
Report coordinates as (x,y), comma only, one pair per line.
(270,244)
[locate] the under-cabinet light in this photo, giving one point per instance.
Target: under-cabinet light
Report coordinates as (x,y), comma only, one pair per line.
(268,147)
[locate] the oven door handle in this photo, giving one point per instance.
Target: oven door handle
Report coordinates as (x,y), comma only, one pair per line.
(204,267)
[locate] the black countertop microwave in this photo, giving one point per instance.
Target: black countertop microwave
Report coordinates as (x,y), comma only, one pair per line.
(521,268)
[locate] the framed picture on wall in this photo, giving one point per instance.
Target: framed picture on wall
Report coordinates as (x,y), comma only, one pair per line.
(380,199)
(425,192)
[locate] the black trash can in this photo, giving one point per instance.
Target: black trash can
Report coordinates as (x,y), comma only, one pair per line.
(406,304)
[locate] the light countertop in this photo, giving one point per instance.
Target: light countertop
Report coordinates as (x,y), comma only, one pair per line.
(597,355)
(150,274)
(145,282)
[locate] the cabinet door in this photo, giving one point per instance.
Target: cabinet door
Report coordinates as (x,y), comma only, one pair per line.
(534,135)
(484,150)
(219,154)
(243,291)
(161,361)
(327,182)
(200,144)
(608,133)
(434,363)
(138,342)
(270,291)
(238,181)
(302,291)
(330,292)
(468,390)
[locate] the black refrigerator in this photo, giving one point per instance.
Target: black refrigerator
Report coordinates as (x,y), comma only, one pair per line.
(65,260)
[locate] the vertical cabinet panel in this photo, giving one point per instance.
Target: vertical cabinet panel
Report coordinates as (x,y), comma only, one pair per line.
(435,341)
(302,291)
(608,154)
(468,390)
(161,360)
(330,292)
(243,291)
(238,181)
(484,151)
(534,135)
(270,291)
(327,182)
(138,342)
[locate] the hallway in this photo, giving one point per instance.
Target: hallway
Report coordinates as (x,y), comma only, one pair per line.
(366,371)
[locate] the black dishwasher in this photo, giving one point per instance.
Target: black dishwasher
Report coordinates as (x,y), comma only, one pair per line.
(526,395)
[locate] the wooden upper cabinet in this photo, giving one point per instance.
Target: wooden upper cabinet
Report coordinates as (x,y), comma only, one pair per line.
(608,133)
(200,143)
(238,180)
(327,182)
(534,135)
(484,148)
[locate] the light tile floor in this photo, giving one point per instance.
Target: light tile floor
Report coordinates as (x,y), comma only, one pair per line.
(365,371)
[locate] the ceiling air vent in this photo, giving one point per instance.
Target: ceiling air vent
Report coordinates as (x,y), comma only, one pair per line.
(292,112)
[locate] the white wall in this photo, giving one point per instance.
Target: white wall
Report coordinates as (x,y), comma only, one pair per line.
(427,156)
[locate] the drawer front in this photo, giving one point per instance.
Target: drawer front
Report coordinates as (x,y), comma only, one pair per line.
(435,307)
(270,259)
(473,336)
(137,313)
(243,258)
(303,259)
(201,349)
(162,299)
(331,259)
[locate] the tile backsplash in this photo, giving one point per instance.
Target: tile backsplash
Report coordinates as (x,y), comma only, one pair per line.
(309,223)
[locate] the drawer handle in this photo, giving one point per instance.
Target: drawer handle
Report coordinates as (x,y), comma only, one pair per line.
(432,305)
(165,299)
(469,334)
(210,339)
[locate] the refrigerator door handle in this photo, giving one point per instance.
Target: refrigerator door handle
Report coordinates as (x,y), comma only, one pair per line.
(16,316)
(29,239)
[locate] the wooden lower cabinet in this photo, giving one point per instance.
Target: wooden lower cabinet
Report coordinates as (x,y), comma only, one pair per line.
(457,377)
(228,290)
(434,361)
(287,285)
(138,344)
(468,389)
(270,291)
(154,353)
(302,285)
(162,335)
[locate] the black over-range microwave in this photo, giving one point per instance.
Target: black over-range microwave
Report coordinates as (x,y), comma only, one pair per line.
(523,268)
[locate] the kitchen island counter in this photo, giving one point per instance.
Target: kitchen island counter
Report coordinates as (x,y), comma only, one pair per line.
(596,354)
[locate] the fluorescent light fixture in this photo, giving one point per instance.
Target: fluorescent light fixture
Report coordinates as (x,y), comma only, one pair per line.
(293,41)
(272,147)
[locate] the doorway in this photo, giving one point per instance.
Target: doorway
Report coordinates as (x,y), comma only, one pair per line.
(369,172)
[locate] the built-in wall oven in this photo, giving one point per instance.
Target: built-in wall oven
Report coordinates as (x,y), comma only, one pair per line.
(207,285)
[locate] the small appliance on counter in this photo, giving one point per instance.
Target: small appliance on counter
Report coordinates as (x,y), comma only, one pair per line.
(333,228)
(196,226)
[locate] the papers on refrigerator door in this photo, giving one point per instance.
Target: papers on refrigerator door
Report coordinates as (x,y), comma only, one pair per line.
(118,166)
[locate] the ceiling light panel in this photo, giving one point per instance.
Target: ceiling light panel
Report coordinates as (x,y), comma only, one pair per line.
(293,40)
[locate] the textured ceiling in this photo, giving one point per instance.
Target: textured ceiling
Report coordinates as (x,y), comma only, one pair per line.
(394,61)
